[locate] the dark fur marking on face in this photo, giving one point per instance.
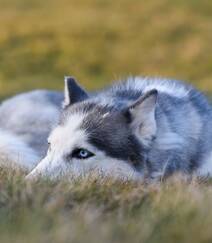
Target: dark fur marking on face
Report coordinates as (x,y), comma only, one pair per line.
(111,133)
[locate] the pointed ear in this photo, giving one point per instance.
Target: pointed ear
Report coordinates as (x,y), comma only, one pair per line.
(73,92)
(142,116)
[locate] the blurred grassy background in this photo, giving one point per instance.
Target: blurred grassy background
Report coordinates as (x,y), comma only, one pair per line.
(101,40)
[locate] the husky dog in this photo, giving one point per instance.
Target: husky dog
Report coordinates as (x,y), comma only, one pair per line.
(138,128)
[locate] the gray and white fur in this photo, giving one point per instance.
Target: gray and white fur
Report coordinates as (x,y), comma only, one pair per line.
(138,128)
(25,123)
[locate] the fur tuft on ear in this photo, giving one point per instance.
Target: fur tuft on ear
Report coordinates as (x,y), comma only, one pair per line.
(73,92)
(142,116)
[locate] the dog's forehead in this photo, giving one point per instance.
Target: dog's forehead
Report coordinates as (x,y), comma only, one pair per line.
(89,112)
(69,135)
(74,122)
(85,109)
(94,119)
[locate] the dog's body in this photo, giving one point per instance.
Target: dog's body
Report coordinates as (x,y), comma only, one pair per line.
(31,116)
(25,123)
(138,128)
(16,154)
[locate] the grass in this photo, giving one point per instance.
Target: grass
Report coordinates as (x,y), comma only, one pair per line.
(99,41)
(90,211)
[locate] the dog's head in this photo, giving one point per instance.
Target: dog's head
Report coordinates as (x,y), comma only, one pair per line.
(91,137)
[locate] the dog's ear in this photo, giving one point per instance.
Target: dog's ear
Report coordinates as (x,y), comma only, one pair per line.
(141,116)
(73,92)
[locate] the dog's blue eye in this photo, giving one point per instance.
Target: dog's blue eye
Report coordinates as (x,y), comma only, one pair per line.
(82,154)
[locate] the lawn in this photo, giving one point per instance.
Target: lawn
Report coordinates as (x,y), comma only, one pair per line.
(92,211)
(99,41)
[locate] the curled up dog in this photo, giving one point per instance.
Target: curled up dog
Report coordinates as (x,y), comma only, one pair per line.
(138,128)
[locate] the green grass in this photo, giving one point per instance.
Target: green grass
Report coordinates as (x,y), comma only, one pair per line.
(101,40)
(90,211)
